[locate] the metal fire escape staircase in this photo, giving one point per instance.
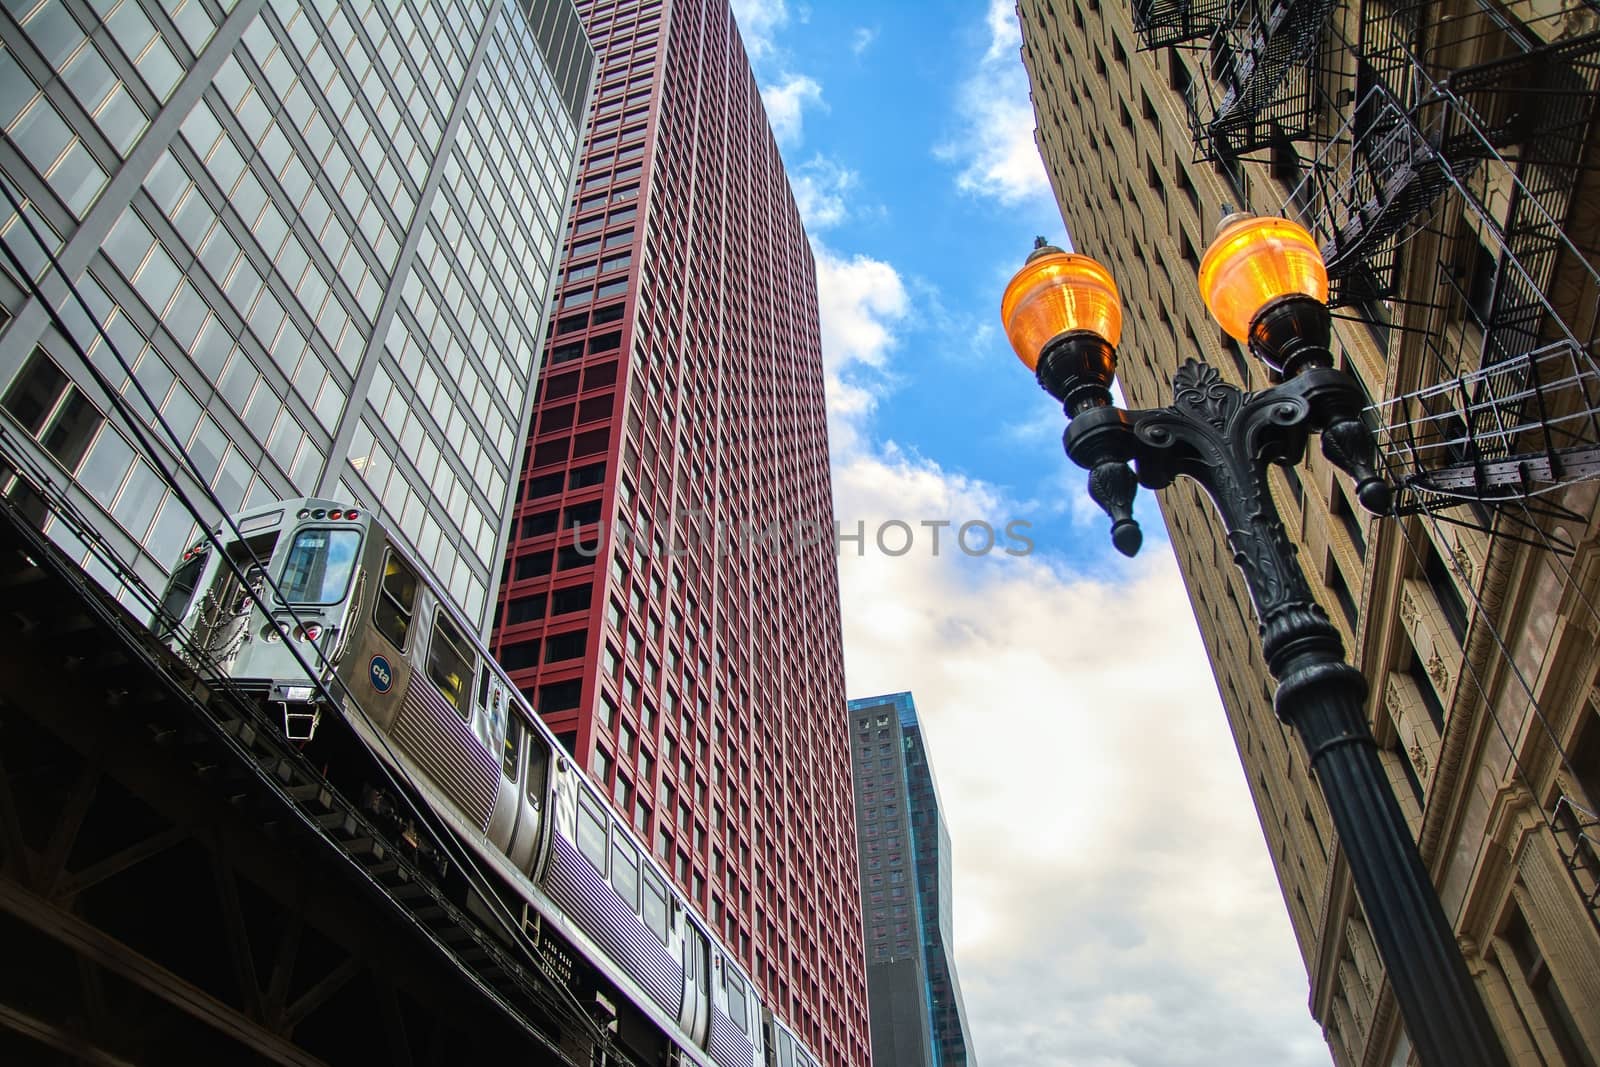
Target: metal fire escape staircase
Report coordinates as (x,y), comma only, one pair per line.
(1457,211)
(1259,87)
(1483,164)
(1160,23)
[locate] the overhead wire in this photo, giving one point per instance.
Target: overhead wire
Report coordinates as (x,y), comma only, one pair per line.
(406,787)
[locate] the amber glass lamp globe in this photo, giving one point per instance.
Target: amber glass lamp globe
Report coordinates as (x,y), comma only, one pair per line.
(1053,293)
(1255,260)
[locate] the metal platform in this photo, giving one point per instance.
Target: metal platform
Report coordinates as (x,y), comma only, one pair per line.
(178,885)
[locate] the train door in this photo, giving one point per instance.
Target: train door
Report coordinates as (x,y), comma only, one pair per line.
(697,975)
(504,739)
(526,840)
(377,666)
(222,630)
(525,764)
(511,753)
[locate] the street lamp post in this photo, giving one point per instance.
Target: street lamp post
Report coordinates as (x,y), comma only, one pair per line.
(1264,280)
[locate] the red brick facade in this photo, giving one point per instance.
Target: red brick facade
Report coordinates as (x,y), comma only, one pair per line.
(698,675)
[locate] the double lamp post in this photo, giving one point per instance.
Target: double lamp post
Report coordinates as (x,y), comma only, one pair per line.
(1265,282)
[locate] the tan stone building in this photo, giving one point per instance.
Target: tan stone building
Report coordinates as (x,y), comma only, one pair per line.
(1445,155)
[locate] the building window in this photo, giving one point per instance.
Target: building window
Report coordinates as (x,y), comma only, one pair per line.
(53,410)
(1552,1005)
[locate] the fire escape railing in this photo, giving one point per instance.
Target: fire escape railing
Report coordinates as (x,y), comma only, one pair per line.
(1161,23)
(1259,85)
(1580,828)
(1484,161)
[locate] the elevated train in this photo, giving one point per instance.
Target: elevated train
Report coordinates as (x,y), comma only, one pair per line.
(416,688)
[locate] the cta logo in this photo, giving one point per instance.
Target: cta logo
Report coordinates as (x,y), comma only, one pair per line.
(381,674)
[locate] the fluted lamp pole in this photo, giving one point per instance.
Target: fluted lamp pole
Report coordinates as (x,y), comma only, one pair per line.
(1264,280)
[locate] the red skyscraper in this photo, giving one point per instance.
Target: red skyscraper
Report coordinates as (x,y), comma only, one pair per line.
(696,670)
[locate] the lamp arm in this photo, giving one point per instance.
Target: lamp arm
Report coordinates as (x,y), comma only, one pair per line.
(1103,440)
(1336,403)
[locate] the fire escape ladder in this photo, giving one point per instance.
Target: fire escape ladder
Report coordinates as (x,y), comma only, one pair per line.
(1258,85)
(1160,23)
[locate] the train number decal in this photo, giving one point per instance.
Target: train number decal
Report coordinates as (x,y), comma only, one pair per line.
(381,673)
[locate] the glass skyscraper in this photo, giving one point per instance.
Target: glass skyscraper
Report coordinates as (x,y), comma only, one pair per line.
(323,233)
(913,995)
(695,675)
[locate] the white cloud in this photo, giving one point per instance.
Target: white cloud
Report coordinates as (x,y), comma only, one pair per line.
(862,39)
(1114,902)
(862,300)
(786,103)
(758,20)
(994,145)
(820,187)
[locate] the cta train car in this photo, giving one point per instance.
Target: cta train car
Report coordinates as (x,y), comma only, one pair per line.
(393,662)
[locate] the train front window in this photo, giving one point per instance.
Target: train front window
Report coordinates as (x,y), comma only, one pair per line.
(319,565)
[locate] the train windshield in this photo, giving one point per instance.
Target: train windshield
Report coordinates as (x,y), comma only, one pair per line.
(318,567)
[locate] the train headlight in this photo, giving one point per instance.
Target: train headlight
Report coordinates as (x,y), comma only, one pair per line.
(304,513)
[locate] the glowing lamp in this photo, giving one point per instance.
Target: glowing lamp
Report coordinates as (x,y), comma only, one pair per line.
(1059,292)
(1255,261)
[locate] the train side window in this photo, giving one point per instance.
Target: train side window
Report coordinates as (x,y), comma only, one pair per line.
(396,601)
(511,762)
(538,768)
(625,871)
(451,664)
(592,831)
(654,909)
(785,1050)
(737,1009)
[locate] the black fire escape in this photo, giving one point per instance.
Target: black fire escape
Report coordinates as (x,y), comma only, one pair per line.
(1160,23)
(1448,150)
(1259,85)
(1474,168)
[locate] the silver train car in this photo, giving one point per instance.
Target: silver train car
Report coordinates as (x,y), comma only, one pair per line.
(419,691)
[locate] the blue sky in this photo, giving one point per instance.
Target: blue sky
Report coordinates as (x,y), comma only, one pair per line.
(1114,903)
(904,154)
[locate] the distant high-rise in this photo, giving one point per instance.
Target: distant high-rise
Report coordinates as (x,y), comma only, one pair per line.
(325,232)
(913,995)
(695,672)
(1442,154)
